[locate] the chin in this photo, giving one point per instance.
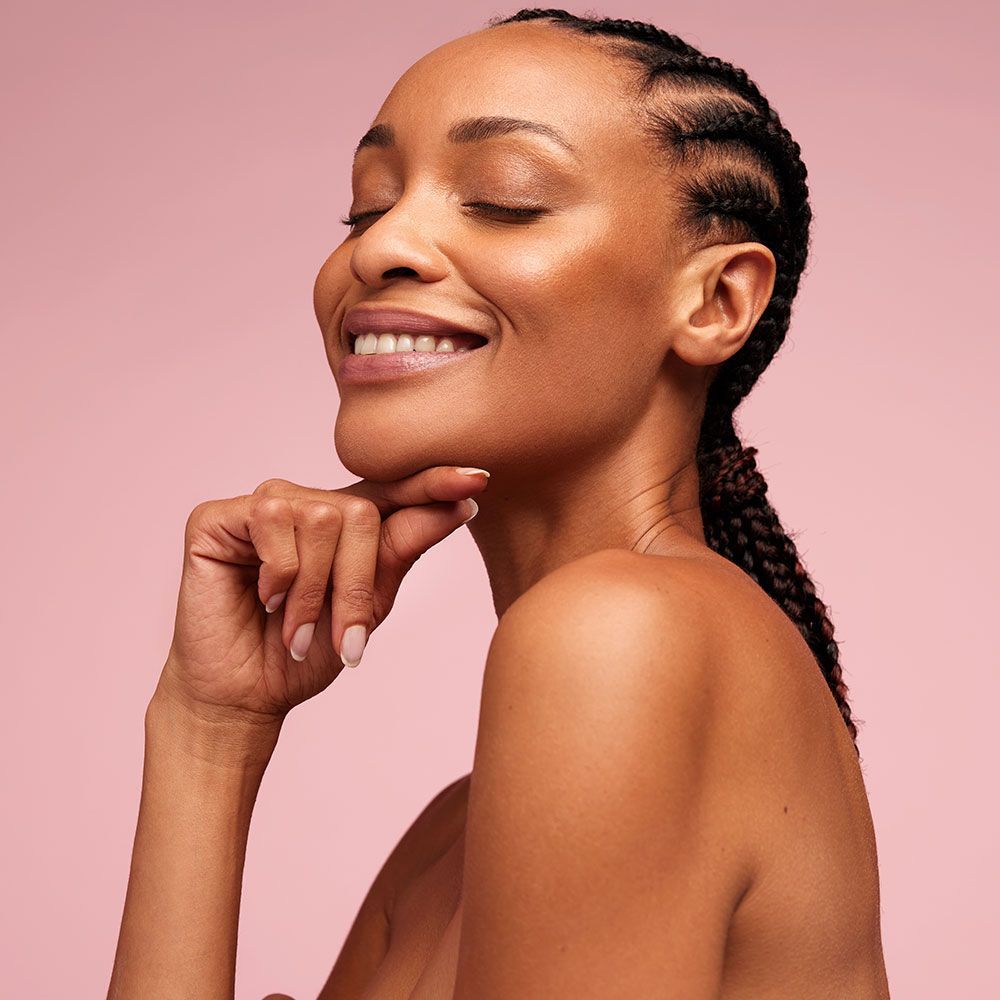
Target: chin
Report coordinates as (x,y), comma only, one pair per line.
(396,453)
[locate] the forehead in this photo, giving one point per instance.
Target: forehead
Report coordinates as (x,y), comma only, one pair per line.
(522,70)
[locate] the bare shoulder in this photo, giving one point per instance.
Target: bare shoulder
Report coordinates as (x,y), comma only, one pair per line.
(614,686)
(602,646)
(697,627)
(656,741)
(660,621)
(603,783)
(687,664)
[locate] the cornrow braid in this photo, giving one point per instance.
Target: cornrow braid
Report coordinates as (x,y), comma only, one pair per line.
(741,177)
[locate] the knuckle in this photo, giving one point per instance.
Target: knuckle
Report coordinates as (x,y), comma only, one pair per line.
(268,507)
(196,512)
(310,595)
(271,487)
(284,571)
(200,514)
(356,594)
(361,511)
(317,514)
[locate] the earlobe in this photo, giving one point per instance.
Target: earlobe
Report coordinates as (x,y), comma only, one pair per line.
(728,288)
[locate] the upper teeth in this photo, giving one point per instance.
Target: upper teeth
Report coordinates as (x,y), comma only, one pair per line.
(389,343)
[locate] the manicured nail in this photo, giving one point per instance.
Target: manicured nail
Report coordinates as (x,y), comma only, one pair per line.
(470,505)
(473,472)
(301,641)
(353,645)
(272,604)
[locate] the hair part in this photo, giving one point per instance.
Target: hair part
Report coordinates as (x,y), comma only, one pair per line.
(740,177)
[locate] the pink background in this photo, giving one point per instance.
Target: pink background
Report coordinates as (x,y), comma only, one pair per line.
(174,174)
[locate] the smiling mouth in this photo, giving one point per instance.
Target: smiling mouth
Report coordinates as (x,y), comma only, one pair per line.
(396,355)
(424,343)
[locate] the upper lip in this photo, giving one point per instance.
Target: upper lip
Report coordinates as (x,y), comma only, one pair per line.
(386,319)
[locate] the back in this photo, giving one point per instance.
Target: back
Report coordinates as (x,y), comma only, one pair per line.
(788,788)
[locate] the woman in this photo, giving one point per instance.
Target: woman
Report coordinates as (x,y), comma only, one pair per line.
(574,247)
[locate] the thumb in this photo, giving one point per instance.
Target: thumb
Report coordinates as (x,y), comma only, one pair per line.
(406,536)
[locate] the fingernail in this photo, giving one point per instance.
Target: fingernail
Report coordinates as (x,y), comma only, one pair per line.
(301,641)
(353,645)
(272,604)
(473,472)
(473,506)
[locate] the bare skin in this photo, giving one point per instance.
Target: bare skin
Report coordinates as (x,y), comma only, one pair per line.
(596,313)
(585,407)
(786,901)
(664,800)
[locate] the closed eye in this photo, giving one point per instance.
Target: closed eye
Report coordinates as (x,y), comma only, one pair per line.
(511,212)
(525,212)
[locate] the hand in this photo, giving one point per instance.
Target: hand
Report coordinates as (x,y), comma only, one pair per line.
(337,556)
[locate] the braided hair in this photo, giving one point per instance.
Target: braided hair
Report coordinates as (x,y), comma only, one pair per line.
(740,178)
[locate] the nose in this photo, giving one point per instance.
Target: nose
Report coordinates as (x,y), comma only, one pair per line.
(397,245)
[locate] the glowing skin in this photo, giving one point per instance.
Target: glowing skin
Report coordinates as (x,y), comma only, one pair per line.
(586,402)
(666,799)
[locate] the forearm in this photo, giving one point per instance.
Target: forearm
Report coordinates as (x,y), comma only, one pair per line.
(199,785)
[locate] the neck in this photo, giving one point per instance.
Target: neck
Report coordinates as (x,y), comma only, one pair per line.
(641,495)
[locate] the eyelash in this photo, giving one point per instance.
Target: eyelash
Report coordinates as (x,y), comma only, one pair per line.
(512,213)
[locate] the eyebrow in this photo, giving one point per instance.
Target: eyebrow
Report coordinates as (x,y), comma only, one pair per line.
(472,130)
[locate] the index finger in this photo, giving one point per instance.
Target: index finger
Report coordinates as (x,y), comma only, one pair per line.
(440,482)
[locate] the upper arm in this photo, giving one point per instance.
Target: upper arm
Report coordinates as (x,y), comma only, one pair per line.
(367,941)
(586,868)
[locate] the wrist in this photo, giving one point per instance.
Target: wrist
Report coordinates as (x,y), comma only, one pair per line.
(214,735)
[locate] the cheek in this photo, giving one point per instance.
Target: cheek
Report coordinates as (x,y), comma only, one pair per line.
(532,277)
(574,296)
(588,272)
(573,370)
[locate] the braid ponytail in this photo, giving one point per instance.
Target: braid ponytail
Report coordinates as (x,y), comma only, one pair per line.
(741,525)
(741,177)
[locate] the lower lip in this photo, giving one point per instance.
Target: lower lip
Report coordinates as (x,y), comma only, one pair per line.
(365,369)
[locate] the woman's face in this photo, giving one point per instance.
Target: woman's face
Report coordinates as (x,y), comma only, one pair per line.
(572,300)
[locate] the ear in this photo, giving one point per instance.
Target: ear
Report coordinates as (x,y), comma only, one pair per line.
(721,293)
